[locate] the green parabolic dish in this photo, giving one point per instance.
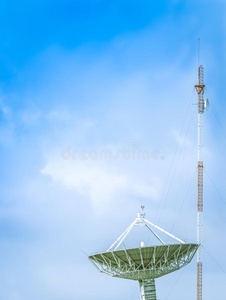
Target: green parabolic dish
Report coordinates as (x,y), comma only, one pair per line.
(146,262)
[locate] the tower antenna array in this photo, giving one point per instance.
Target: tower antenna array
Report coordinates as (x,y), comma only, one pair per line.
(201,107)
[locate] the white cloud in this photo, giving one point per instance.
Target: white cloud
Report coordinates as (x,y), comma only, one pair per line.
(86,179)
(30,116)
(97,180)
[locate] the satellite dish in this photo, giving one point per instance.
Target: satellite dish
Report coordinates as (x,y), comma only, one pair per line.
(144,264)
(207,104)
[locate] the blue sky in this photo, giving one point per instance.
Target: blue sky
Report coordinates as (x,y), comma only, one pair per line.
(82,78)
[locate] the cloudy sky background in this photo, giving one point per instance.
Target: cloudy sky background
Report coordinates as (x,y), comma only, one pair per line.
(83,78)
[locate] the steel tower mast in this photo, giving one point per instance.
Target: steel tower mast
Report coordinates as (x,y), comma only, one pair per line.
(201,106)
